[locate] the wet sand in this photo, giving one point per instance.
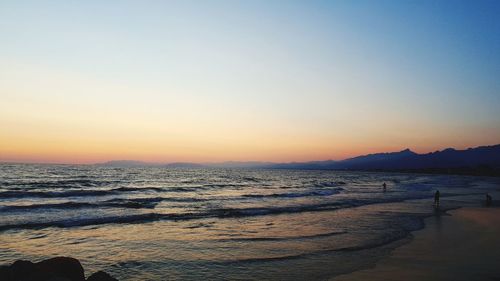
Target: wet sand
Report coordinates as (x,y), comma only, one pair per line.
(464,245)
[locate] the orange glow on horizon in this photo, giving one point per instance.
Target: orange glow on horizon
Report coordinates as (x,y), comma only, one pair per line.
(88,152)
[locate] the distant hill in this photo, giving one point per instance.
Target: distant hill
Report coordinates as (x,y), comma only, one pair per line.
(126,163)
(448,158)
(483,160)
(183,165)
(313,165)
(407,159)
(240,164)
(377,161)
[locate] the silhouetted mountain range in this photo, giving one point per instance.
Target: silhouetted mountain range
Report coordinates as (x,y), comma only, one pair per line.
(407,159)
(479,159)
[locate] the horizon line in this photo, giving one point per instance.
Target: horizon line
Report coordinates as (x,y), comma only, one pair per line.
(228,161)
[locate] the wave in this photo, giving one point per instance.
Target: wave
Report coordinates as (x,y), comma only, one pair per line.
(303,237)
(53,194)
(149,202)
(266,259)
(137,218)
(222,185)
(126,203)
(23,192)
(64,205)
(252,179)
(326,192)
(301,255)
(83,222)
(142,218)
(66,183)
(134,203)
(367,246)
(125,189)
(82,192)
(247,212)
(157,189)
(214,213)
(326,206)
(376,243)
(329,184)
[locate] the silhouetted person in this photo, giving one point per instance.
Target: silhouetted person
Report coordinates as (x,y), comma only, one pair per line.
(436,198)
(384,187)
(488,200)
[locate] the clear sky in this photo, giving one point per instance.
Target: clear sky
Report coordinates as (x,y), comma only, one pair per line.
(164,81)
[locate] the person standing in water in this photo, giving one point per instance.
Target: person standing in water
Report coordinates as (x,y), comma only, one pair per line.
(384,187)
(436,198)
(488,200)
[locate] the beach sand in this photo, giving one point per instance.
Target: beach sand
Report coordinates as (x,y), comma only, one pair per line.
(464,245)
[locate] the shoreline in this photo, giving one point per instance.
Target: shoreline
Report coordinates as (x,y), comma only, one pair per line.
(464,245)
(431,252)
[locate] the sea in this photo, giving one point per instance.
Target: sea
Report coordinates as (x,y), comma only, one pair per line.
(156,223)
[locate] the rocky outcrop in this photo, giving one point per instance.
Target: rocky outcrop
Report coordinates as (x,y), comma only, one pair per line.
(54,269)
(101,276)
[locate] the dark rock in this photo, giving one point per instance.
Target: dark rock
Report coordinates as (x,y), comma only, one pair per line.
(54,269)
(64,267)
(22,270)
(101,276)
(4,272)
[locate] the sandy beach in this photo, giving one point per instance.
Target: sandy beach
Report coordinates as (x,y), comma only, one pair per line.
(464,245)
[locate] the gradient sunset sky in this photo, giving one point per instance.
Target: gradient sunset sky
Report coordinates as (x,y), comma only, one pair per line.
(165,81)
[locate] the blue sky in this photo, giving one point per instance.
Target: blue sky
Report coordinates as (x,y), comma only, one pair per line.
(245,80)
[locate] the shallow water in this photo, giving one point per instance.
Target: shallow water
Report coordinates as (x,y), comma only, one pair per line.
(160,223)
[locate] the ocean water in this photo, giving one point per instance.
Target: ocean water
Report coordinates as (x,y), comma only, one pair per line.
(218,224)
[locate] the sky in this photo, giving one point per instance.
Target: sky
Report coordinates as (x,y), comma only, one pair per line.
(209,81)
